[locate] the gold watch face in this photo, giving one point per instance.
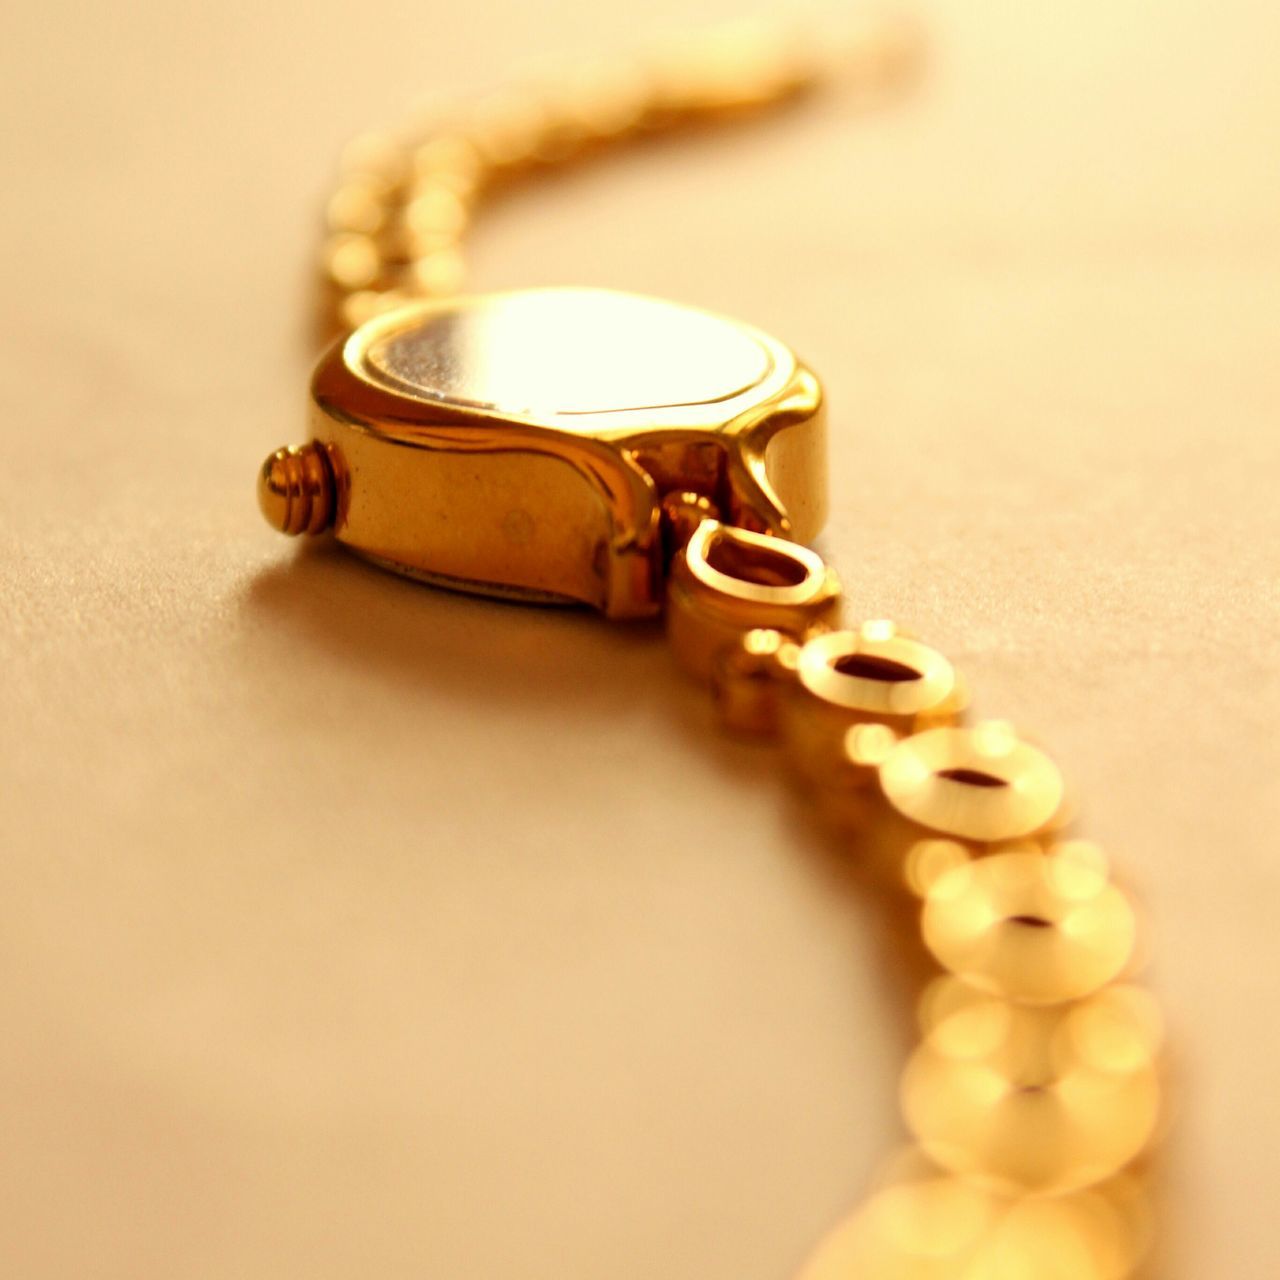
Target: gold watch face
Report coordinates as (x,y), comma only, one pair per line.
(523,443)
(568,355)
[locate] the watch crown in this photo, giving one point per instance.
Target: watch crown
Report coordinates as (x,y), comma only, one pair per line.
(296,492)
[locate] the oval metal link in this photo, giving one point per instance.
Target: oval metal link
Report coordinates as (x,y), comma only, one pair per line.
(728,581)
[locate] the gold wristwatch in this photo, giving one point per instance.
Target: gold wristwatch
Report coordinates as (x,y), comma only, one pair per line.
(641,457)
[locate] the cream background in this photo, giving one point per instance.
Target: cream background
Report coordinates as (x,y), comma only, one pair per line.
(349,928)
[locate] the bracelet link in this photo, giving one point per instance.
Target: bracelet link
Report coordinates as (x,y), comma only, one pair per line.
(857,693)
(728,582)
(750,681)
(983,785)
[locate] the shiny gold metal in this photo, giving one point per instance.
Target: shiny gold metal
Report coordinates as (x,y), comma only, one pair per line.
(747,679)
(411,194)
(296,491)
(578,445)
(359,206)
(927,861)
(848,681)
(1036,1100)
(353,261)
(442,415)
(1035,928)
(736,68)
(930,1225)
(523,444)
(983,783)
(729,581)
(927,1228)
(1102,1233)
(682,513)
(878,674)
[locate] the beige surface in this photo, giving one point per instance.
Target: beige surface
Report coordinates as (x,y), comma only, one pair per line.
(345,927)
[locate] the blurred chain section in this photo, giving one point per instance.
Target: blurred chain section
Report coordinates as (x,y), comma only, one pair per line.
(1034,1094)
(405,199)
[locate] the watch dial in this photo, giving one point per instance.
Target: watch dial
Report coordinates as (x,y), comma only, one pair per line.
(565,353)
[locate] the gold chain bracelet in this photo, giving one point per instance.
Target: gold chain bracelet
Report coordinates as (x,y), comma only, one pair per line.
(644,458)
